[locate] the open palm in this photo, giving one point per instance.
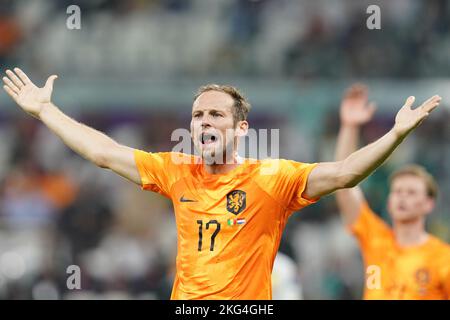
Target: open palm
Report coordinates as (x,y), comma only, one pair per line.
(355,108)
(408,119)
(25,93)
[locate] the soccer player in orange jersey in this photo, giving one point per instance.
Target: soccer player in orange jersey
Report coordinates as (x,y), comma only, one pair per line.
(402,262)
(230,212)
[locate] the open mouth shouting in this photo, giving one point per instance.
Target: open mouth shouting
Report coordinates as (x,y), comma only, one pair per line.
(207,138)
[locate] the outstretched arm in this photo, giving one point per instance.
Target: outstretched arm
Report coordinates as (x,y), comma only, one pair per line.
(331,176)
(89,143)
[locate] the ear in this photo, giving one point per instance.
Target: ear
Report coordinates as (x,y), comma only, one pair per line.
(242,128)
(431,203)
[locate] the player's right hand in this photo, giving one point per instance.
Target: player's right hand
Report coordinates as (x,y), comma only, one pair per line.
(355,108)
(26,94)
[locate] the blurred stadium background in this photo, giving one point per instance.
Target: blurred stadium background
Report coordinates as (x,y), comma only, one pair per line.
(132,70)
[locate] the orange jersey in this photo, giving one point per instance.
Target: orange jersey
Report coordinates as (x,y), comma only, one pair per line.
(393,272)
(229,225)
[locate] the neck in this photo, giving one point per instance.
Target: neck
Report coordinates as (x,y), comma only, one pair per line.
(226,167)
(410,233)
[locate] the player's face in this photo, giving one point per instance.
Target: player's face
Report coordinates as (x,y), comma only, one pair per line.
(408,199)
(212,125)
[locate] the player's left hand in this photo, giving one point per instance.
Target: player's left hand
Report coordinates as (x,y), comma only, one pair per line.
(408,119)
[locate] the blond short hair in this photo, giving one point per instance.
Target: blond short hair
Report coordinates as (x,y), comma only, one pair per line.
(241,106)
(421,172)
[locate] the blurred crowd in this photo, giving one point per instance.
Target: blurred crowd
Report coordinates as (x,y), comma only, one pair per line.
(272,38)
(57,210)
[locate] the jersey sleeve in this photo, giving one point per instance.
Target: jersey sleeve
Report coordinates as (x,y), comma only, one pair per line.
(368,226)
(445,272)
(156,171)
(287,183)
(447,282)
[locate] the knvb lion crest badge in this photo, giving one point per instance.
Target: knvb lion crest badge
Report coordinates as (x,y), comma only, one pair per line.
(422,279)
(236,201)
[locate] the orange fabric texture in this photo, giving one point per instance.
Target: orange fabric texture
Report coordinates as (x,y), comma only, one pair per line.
(411,273)
(229,225)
